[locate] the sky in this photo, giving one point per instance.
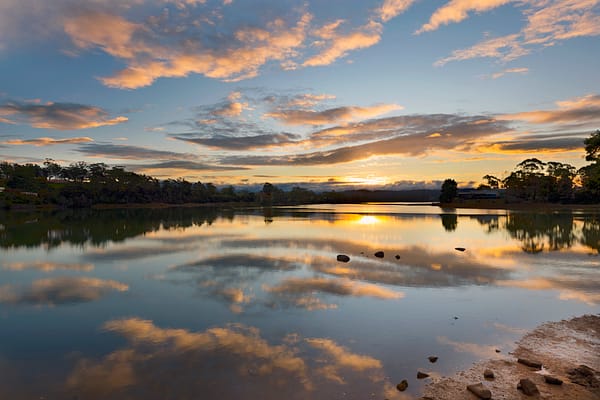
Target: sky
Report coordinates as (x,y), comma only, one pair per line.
(395,94)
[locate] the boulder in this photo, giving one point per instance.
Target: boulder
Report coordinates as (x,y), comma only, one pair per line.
(422,375)
(379,254)
(530,363)
(488,374)
(528,387)
(402,385)
(552,380)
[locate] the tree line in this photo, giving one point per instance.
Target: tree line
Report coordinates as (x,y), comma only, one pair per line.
(545,182)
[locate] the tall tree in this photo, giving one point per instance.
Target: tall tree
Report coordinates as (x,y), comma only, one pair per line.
(449,191)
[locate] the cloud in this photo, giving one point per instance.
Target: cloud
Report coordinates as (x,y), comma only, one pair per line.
(242,142)
(340,287)
(584,109)
(127,152)
(154,49)
(60,116)
(184,165)
(391,8)
(330,116)
(409,135)
(46,141)
(46,266)
(547,24)
(457,11)
(57,291)
(558,144)
(510,71)
(337,45)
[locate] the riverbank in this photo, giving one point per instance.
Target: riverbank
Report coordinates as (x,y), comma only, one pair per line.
(562,348)
(503,205)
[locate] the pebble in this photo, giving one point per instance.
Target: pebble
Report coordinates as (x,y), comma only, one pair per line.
(343,258)
(379,254)
(402,385)
(528,387)
(480,391)
(397,256)
(432,359)
(460,249)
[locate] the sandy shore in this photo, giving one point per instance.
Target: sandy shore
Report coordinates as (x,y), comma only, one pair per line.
(561,347)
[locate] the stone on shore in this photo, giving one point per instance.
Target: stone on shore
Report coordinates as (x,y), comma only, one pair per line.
(552,380)
(343,258)
(528,387)
(530,363)
(480,391)
(488,374)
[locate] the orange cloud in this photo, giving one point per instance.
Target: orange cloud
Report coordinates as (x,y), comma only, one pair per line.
(341,287)
(510,71)
(458,10)
(578,110)
(47,266)
(344,358)
(61,116)
(338,45)
(46,141)
(391,8)
(330,116)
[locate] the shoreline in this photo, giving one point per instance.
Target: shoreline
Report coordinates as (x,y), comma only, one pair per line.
(561,347)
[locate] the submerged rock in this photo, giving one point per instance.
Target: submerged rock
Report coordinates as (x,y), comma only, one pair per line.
(480,391)
(530,363)
(397,256)
(402,385)
(343,258)
(460,249)
(528,387)
(379,254)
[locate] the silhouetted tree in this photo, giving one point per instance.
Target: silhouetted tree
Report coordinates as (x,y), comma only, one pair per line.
(449,191)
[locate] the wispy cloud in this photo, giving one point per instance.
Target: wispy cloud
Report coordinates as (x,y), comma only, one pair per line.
(457,11)
(183,165)
(584,109)
(241,142)
(46,141)
(127,152)
(392,8)
(60,116)
(330,116)
(510,71)
(547,24)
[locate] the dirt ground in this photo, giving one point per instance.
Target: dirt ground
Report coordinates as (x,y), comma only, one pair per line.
(559,346)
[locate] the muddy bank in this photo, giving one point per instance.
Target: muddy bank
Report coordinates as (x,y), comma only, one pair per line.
(561,347)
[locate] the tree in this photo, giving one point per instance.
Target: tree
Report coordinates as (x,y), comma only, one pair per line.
(492,181)
(592,147)
(449,191)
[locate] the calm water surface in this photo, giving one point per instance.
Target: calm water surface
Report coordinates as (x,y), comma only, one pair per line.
(197,303)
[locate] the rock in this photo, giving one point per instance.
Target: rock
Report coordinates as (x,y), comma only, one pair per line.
(402,385)
(432,359)
(530,363)
(459,249)
(397,256)
(552,380)
(343,258)
(379,254)
(488,374)
(422,375)
(497,350)
(455,317)
(528,387)
(480,391)
(584,376)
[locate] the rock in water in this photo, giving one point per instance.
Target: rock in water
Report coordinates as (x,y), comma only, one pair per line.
(397,256)
(488,374)
(459,249)
(552,380)
(528,387)
(402,385)
(530,363)
(432,359)
(480,391)
(343,258)
(379,254)
(422,375)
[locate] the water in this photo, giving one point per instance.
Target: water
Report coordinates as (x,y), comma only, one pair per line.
(197,303)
